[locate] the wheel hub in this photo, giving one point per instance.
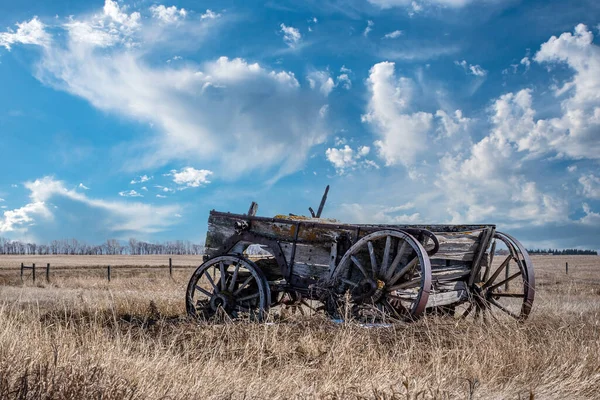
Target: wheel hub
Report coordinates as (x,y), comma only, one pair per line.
(222,300)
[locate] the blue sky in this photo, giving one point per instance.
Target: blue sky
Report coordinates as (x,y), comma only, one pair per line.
(134,119)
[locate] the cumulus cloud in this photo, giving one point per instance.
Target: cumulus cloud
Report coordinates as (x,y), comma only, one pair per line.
(28,32)
(209,14)
(82,186)
(346,158)
(403,135)
(191,177)
(110,218)
(291,35)
(219,109)
(590,186)
(168,15)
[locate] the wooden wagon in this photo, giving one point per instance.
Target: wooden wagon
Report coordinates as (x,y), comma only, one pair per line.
(368,272)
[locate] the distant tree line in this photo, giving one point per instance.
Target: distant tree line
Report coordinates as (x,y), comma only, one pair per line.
(564,252)
(110,247)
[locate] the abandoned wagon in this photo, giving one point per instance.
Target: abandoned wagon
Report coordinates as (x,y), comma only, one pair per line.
(369,272)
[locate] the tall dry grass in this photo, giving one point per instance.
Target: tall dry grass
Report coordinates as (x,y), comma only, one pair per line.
(83,337)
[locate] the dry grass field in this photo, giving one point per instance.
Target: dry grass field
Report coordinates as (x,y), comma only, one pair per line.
(81,337)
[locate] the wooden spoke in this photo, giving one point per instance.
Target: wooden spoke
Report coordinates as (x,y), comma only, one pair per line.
(403,271)
(203,291)
(497,272)
(406,285)
(234,278)
(467,311)
(212,283)
(251,296)
(359,266)
(401,250)
(349,282)
(504,309)
(386,255)
(223,276)
(243,285)
(515,295)
(374,267)
(391,309)
(497,285)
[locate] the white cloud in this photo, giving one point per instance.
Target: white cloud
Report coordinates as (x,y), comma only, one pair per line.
(490,180)
(575,133)
(344,81)
(591,218)
(341,158)
(209,15)
(379,214)
(393,35)
(160,196)
(403,135)
(471,69)
(105,61)
(169,15)
(131,193)
(28,32)
(2,200)
(322,81)
(18,219)
(346,158)
(291,35)
(453,125)
(572,168)
(95,35)
(144,188)
(526,62)
(118,14)
(82,186)
(591,186)
(191,177)
(369,28)
(141,179)
(119,219)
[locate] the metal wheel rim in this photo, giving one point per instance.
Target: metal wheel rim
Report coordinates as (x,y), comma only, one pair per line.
(484,301)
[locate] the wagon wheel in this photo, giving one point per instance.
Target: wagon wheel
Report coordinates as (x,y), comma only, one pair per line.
(506,288)
(386,274)
(230,284)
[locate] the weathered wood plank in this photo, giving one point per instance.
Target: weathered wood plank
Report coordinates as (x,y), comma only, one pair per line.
(447,293)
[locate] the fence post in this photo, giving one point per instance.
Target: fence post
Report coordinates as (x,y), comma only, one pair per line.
(21,272)
(48,272)
(567,268)
(33,272)
(108,273)
(170,267)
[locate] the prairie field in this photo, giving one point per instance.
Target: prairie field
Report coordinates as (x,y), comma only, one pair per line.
(80,336)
